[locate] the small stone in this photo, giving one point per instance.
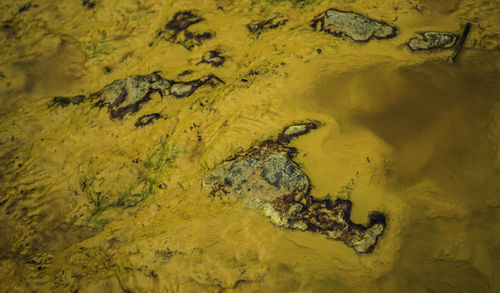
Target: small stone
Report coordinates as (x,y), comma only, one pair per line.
(185,89)
(275,216)
(433,40)
(214,58)
(294,210)
(90,4)
(493,203)
(177,29)
(26,7)
(353,25)
(147,119)
(369,238)
(182,20)
(180,89)
(300,226)
(334,234)
(296,130)
(64,102)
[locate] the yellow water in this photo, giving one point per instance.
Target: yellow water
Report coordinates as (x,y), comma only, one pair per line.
(404,133)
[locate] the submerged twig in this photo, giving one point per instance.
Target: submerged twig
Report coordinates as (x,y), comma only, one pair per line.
(461,42)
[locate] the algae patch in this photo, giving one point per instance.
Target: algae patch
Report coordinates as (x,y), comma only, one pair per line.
(138,179)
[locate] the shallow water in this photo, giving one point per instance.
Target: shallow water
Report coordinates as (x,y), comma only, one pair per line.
(405,133)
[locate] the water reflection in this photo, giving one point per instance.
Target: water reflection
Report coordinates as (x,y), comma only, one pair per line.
(442,123)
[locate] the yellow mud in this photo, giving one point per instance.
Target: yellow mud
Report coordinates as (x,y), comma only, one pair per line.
(404,133)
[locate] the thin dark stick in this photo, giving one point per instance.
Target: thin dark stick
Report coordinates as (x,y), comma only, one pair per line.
(213,76)
(461,42)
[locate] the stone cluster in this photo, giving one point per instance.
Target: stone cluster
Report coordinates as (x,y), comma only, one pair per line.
(125,96)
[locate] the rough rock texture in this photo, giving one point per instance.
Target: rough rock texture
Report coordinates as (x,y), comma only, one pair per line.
(184,89)
(433,40)
(177,29)
(353,25)
(273,21)
(266,177)
(125,96)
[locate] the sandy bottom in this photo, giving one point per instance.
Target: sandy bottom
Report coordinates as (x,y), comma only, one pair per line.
(94,204)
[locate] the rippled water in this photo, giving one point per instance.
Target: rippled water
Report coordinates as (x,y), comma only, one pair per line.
(94,204)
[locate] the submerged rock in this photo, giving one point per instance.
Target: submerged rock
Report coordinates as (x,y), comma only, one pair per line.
(27,7)
(353,25)
(265,177)
(66,101)
(147,119)
(182,20)
(213,58)
(177,29)
(433,40)
(90,4)
(273,21)
(295,130)
(125,96)
(184,89)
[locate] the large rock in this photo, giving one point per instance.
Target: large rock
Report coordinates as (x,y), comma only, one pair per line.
(262,175)
(353,25)
(265,177)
